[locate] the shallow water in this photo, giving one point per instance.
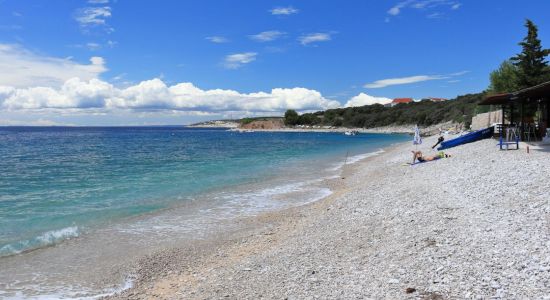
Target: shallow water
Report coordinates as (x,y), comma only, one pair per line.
(109,195)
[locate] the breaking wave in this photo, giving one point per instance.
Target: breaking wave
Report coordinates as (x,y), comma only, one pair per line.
(46,239)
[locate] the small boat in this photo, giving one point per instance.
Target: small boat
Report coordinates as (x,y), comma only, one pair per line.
(468,138)
(351,132)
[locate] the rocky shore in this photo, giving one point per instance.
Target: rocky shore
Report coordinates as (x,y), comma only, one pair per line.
(473,226)
(277,125)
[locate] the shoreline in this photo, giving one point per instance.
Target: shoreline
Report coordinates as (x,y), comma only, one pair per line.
(392,129)
(150,281)
(388,130)
(432,233)
(139,244)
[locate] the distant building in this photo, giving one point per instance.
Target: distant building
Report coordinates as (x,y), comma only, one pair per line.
(400,100)
(433,99)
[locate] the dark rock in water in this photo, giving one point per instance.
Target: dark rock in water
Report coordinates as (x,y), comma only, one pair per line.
(410,290)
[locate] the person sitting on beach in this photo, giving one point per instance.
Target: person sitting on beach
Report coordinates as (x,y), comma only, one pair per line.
(439,141)
(417,155)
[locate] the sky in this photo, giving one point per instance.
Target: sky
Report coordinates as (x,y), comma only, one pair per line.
(139,62)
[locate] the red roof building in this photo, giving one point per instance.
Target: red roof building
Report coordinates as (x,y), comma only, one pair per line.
(401,100)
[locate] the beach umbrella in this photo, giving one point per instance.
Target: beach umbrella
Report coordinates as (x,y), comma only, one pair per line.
(417,140)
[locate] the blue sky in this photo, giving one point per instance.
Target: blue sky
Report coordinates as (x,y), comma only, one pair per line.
(124,62)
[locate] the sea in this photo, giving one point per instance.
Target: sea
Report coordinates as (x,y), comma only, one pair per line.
(75,202)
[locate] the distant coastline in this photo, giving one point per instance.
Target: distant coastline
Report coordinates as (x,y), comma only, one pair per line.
(236,125)
(216,124)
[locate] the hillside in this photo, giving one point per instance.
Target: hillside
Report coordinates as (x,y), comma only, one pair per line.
(262,123)
(423,113)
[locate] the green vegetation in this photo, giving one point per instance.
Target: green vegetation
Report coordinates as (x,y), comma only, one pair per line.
(424,113)
(291,117)
(247,120)
(504,79)
(533,68)
(524,70)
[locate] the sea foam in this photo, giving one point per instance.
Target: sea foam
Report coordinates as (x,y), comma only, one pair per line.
(353,159)
(45,239)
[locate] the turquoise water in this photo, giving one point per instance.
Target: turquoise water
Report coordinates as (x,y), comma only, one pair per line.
(60,182)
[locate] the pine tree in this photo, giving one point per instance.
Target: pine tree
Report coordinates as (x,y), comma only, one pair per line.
(533,68)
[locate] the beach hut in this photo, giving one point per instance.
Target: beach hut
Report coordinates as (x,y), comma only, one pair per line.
(527,111)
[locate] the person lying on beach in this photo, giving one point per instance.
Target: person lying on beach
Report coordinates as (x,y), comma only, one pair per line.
(417,155)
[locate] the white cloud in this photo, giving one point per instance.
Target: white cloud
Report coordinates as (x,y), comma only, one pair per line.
(73,94)
(22,68)
(237,60)
(156,95)
(90,16)
(395,10)
(50,86)
(289,10)
(119,77)
(314,38)
(93,46)
(403,80)
(423,4)
(98,1)
(364,99)
(434,15)
(94,17)
(267,36)
(459,73)
(217,39)
(411,79)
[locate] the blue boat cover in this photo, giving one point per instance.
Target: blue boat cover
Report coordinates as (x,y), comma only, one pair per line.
(468,138)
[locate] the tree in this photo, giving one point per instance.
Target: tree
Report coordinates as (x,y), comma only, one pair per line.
(308,119)
(505,78)
(291,117)
(533,68)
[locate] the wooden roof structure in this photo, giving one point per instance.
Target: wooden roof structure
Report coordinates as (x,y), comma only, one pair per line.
(535,92)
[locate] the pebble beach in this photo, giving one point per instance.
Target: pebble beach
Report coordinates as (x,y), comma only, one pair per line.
(473,226)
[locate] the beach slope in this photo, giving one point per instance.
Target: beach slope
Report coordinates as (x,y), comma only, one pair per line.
(475,225)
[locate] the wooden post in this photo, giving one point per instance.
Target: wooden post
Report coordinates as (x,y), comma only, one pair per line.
(502,127)
(511,113)
(546,118)
(521,126)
